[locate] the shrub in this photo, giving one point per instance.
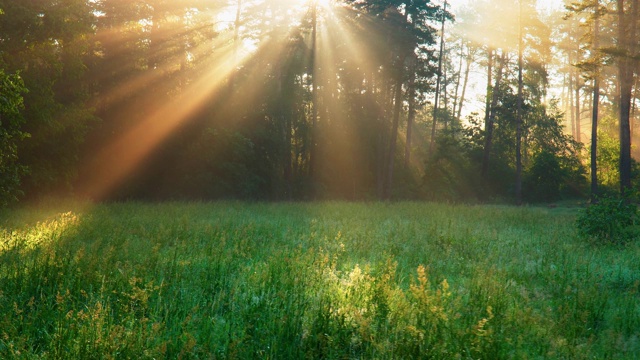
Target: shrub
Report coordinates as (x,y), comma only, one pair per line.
(543,180)
(611,220)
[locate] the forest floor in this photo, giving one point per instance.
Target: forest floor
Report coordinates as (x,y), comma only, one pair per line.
(312,280)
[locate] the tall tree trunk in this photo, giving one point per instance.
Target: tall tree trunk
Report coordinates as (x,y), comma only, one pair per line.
(626,37)
(518,186)
(380,170)
(376,143)
(454,108)
(488,133)
(563,94)
(445,98)
(287,160)
(411,115)
(487,108)
(282,117)
(596,104)
(467,70)
(381,158)
(577,87)
(571,102)
(437,95)
(633,105)
(313,150)
(394,130)
(594,140)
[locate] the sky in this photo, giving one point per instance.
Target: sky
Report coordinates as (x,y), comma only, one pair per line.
(550,5)
(543,5)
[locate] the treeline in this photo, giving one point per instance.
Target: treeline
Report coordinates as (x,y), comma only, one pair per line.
(582,61)
(283,100)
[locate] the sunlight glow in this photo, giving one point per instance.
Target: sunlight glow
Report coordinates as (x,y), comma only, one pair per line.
(230,50)
(42,233)
(320,3)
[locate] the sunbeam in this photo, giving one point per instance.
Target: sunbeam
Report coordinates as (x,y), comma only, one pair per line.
(119,158)
(253,52)
(224,56)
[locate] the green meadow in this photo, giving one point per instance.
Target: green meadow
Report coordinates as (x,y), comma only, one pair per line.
(234,280)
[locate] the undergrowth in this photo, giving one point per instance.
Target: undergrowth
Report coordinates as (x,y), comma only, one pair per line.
(611,220)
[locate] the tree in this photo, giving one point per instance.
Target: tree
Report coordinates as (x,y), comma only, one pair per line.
(11,120)
(405,27)
(596,104)
(495,95)
(438,79)
(592,67)
(48,43)
(518,185)
(627,12)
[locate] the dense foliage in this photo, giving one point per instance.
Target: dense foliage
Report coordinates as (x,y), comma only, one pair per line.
(11,102)
(292,100)
(611,220)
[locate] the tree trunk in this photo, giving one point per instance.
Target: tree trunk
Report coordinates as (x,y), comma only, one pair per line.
(577,98)
(458,80)
(594,114)
(313,149)
(487,108)
(383,135)
(594,140)
(488,136)
(570,93)
(445,98)
(410,116)
(518,185)
(380,169)
(281,111)
(626,34)
(394,131)
(467,70)
(437,95)
(634,106)
(286,153)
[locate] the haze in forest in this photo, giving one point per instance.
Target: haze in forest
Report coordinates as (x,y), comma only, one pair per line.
(312,100)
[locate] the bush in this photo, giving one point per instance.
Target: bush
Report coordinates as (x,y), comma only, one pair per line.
(543,180)
(611,220)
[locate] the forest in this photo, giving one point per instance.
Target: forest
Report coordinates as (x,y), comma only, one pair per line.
(319,179)
(317,99)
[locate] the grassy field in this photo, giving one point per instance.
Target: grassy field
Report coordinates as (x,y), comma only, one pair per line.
(324,280)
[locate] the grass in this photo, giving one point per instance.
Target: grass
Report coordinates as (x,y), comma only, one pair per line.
(325,280)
